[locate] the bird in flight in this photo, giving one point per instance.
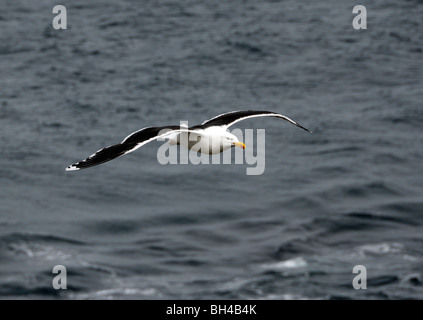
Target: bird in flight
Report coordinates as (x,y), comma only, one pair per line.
(210,137)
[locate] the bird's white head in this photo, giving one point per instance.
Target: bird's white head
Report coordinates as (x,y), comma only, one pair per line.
(217,139)
(230,140)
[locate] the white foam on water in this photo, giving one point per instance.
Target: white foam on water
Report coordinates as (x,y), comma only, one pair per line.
(294,263)
(38,251)
(380,248)
(116,293)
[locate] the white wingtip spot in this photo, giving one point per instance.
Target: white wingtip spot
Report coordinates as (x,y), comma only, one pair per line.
(71,168)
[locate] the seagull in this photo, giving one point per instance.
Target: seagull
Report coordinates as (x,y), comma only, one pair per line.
(210,137)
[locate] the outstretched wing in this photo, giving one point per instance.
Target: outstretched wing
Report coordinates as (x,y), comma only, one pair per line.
(130,143)
(228,119)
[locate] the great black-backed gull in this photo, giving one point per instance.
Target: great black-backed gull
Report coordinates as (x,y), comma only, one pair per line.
(210,137)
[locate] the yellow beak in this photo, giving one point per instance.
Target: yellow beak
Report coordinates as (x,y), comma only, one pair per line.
(239,144)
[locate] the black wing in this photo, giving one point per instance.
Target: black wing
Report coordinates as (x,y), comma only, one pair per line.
(228,119)
(130,143)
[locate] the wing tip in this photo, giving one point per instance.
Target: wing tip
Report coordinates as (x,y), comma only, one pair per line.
(304,128)
(72,167)
(307,130)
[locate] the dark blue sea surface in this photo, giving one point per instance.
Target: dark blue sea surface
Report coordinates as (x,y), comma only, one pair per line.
(348,194)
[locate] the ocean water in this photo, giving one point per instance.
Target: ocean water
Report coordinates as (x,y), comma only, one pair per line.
(348,194)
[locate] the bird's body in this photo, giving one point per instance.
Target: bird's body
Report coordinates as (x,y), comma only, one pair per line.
(211,137)
(211,140)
